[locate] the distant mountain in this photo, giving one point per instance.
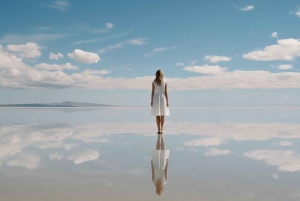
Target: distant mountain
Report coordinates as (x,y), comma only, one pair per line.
(63,104)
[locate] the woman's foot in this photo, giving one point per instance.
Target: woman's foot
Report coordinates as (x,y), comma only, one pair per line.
(161,132)
(158,132)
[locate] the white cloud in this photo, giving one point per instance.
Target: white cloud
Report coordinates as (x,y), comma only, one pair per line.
(216,59)
(66,66)
(179,64)
(99,30)
(59,5)
(43,28)
(204,142)
(136,41)
(285,66)
(160,49)
(102,30)
(84,156)
(88,41)
(297,13)
(285,144)
(215,152)
(84,57)
(284,160)
(28,50)
(149,54)
(286,49)
(56,56)
(95,72)
(109,25)
(22,160)
(206,69)
(128,69)
(56,156)
(193,62)
(274,34)
(100,39)
(37,38)
(16,74)
(247,8)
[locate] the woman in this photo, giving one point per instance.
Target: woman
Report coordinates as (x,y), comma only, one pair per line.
(159,165)
(159,100)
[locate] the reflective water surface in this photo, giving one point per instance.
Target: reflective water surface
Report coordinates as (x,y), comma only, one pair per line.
(227,154)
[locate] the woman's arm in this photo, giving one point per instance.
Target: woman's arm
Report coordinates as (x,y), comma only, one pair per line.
(152,94)
(166,170)
(166,94)
(152,167)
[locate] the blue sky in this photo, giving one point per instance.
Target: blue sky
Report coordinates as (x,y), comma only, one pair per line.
(213,53)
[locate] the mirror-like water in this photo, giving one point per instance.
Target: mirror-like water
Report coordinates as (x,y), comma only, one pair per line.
(105,154)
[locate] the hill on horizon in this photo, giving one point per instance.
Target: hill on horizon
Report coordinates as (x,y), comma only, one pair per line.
(62,104)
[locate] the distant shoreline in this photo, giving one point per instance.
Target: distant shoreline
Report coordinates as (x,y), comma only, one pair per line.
(74,107)
(84,105)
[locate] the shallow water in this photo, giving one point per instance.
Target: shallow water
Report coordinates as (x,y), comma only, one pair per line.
(228,154)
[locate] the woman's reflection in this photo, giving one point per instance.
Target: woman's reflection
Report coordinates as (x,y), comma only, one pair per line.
(159,164)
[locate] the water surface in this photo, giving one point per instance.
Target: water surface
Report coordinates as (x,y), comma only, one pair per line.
(229,154)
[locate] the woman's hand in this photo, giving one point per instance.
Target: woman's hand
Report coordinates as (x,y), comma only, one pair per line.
(167,104)
(151,104)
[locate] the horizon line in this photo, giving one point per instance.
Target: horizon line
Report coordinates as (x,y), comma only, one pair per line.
(204,107)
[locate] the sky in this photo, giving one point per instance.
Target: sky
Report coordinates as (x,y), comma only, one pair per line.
(213,53)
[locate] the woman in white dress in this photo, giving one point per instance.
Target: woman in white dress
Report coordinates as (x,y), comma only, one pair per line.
(159,100)
(159,165)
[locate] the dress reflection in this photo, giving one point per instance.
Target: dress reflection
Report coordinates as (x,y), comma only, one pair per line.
(159,165)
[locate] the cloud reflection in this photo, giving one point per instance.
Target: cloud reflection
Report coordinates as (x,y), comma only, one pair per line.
(56,156)
(204,142)
(15,138)
(284,160)
(84,156)
(215,152)
(23,160)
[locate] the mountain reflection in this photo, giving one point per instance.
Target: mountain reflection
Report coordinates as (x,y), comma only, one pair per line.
(160,164)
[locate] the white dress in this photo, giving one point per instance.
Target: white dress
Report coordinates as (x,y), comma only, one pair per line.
(159,158)
(159,107)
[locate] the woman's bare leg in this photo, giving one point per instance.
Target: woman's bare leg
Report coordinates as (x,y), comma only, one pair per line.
(158,142)
(158,122)
(162,143)
(162,122)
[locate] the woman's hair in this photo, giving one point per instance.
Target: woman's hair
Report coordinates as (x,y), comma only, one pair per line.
(159,187)
(159,76)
